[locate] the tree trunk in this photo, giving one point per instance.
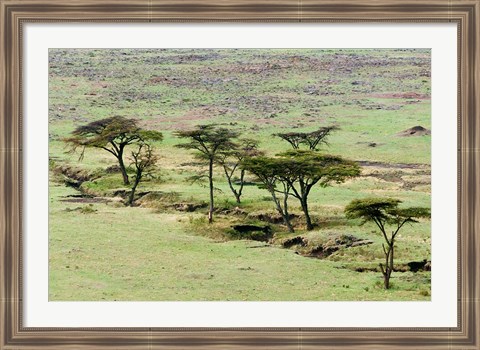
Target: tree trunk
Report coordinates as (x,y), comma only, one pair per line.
(210,181)
(307,215)
(230,184)
(387,272)
(386,278)
(284,214)
(237,194)
(286,220)
(240,190)
(132,193)
(390,268)
(122,168)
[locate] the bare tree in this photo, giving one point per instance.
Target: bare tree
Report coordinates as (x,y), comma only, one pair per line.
(230,161)
(143,160)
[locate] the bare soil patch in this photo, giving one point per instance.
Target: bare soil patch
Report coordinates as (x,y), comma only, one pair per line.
(193,116)
(334,244)
(366,163)
(414,131)
(173,81)
(290,242)
(403,95)
(272,218)
(407,176)
(412,266)
(85,200)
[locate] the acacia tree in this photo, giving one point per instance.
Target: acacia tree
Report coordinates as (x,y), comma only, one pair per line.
(385,212)
(311,140)
(230,161)
(302,170)
(112,135)
(143,160)
(268,170)
(209,142)
(295,173)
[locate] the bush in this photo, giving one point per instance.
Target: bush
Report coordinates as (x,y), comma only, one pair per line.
(88,209)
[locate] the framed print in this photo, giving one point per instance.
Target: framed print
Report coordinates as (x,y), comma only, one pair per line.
(211,175)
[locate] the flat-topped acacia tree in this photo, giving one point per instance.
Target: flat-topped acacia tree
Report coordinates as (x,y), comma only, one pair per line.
(208,142)
(295,173)
(302,170)
(112,135)
(311,140)
(385,212)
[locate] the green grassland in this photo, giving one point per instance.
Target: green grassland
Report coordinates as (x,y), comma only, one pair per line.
(101,250)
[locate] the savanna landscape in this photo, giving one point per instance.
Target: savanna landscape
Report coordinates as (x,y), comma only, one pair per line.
(239,174)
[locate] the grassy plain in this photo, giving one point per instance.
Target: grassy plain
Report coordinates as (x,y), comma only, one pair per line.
(101,250)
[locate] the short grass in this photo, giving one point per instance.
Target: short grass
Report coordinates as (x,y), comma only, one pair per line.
(118,253)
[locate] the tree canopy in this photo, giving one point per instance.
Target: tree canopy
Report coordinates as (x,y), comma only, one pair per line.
(302,170)
(208,140)
(296,172)
(311,140)
(112,135)
(384,211)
